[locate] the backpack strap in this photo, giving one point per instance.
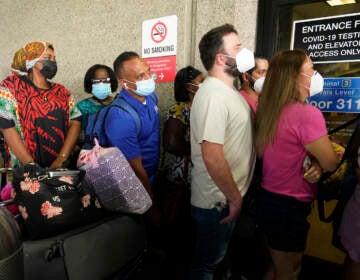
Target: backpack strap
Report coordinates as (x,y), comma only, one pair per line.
(89,141)
(121,103)
(153,97)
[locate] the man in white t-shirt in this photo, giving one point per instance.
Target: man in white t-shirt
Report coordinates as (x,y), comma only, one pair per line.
(221,148)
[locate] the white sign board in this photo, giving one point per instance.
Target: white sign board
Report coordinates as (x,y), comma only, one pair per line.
(328,39)
(159,37)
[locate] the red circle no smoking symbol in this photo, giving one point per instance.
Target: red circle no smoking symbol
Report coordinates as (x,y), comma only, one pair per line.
(158,32)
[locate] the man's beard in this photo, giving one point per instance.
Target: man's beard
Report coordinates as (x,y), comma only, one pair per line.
(231,69)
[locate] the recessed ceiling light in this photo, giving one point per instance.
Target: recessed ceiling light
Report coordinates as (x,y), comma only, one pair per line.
(340,2)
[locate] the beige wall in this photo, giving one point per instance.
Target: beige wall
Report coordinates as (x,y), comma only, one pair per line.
(86,32)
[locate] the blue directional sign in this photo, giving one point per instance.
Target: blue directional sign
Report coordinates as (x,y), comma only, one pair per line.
(339,95)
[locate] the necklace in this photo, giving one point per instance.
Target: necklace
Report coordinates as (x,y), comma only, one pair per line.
(39,89)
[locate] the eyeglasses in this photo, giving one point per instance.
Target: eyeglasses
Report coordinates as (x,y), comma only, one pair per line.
(98,81)
(47,57)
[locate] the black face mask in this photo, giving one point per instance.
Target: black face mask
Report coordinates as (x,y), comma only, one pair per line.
(49,69)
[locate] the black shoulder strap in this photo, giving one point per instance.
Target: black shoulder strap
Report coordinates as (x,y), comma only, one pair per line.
(348,149)
(340,127)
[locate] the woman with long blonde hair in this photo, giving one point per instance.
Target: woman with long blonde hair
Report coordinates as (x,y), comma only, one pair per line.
(291,139)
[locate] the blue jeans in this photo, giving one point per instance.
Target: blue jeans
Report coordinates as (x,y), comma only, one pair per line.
(212,239)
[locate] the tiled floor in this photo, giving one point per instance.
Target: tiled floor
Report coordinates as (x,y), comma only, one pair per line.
(247,260)
(318,269)
(169,255)
(158,266)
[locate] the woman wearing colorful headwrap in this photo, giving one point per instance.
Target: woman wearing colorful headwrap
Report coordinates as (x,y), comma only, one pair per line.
(37,117)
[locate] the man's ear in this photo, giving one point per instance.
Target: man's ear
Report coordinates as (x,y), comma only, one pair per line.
(122,83)
(220,59)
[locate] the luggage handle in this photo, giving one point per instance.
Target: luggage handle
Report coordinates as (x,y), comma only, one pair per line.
(6,170)
(7,202)
(59,173)
(50,173)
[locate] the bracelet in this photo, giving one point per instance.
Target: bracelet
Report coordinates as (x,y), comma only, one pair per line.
(63,155)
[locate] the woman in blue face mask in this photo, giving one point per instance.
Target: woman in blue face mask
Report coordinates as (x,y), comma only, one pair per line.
(100,82)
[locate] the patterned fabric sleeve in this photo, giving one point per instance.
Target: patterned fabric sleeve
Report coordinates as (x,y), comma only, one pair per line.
(178,111)
(179,167)
(8,110)
(9,117)
(74,110)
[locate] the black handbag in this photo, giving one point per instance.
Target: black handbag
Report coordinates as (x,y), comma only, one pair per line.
(50,201)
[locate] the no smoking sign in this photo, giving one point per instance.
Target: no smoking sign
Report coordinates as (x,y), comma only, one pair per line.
(159,42)
(159,37)
(158,32)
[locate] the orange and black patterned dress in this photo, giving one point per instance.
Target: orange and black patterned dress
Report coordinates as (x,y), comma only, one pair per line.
(41,116)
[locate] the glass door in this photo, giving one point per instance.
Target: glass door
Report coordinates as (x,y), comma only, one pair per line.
(325,32)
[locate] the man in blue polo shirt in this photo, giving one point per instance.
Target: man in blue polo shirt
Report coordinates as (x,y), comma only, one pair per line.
(141,148)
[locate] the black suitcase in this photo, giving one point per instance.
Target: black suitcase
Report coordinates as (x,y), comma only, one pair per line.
(110,249)
(11,250)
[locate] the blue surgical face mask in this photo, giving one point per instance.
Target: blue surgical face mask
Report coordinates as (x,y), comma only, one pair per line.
(144,87)
(101,90)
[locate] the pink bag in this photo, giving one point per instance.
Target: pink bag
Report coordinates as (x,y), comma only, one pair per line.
(8,193)
(113,180)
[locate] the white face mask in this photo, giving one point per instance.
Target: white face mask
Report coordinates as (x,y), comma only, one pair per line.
(316,83)
(198,86)
(143,87)
(245,60)
(258,85)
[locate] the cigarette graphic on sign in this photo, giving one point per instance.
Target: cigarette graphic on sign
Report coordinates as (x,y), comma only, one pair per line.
(158,32)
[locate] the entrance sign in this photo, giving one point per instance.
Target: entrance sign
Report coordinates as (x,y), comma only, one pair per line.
(159,42)
(328,39)
(339,95)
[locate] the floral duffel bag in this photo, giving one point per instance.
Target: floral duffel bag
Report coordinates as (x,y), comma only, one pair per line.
(51,201)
